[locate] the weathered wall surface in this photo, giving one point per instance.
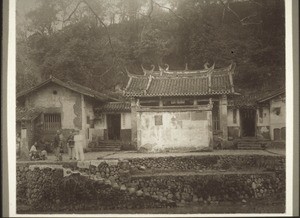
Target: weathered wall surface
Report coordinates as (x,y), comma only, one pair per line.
(89,114)
(65,102)
(125,127)
(263,123)
(230,119)
(223,116)
(173,130)
(234,129)
(125,120)
(277,118)
(100,126)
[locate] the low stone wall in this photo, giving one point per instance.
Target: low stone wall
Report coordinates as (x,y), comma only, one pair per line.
(49,189)
(148,182)
(211,188)
(212,162)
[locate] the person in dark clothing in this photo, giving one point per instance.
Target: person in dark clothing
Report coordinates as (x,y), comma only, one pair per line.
(58,145)
(71,144)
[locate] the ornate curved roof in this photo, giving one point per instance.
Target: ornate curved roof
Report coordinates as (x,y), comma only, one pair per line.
(209,81)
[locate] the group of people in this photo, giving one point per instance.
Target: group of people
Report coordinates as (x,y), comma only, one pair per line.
(74,145)
(37,152)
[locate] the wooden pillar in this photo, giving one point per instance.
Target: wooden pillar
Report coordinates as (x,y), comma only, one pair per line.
(134,122)
(160,102)
(223,116)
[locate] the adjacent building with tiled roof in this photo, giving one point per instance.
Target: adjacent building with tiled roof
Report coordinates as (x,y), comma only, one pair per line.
(56,105)
(258,114)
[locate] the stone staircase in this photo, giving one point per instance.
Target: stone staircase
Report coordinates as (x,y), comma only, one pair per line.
(107,146)
(251,144)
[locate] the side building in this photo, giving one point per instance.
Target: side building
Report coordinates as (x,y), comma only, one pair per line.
(56,105)
(260,115)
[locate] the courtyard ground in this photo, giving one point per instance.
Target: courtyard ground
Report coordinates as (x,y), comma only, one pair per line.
(135,154)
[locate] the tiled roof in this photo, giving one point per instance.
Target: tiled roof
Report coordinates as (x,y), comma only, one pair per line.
(181,83)
(72,86)
(178,86)
(27,114)
(114,107)
(254,98)
(271,94)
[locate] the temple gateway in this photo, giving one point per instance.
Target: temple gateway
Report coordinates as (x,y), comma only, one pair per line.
(180,110)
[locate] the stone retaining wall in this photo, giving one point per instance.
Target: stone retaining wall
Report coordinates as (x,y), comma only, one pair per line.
(212,162)
(49,189)
(139,183)
(211,188)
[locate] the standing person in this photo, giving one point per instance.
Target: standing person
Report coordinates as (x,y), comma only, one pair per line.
(71,145)
(78,147)
(18,145)
(57,145)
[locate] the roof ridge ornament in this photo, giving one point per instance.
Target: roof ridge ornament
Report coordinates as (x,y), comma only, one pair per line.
(167,68)
(206,65)
(148,71)
(161,70)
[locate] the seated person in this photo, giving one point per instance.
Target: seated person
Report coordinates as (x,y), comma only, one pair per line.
(33,154)
(42,149)
(44,155)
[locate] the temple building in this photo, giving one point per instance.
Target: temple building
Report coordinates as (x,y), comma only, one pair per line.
(164,110)
(180,110)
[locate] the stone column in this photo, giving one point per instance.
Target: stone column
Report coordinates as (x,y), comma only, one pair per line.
(210,129)
(223,116)
(134,123)
(24,150)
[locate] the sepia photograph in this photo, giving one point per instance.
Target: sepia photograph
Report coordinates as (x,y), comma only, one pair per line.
(150,107)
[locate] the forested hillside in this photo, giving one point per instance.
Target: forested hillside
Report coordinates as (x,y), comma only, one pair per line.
(93,42)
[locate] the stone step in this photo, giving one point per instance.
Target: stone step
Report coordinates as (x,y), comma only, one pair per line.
(250,146)
(106,148)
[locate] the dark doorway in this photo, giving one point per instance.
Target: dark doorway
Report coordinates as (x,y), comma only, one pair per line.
(248,117)
(114,126)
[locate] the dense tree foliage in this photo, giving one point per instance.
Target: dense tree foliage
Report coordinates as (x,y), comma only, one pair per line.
(94,42)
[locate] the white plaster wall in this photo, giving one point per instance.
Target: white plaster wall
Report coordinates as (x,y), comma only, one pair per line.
(100,123)
(99,127)
(89,109)
(277,121)
(265,121)
(89,132)
(230,117)
(126,121)
(175,133)
(63,100)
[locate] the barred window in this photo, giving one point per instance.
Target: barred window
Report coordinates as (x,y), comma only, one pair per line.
(52,121)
